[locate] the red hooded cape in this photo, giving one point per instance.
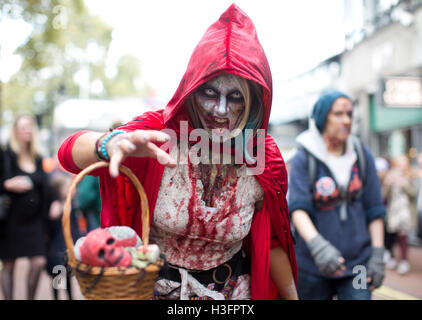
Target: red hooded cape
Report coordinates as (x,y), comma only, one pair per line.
(230,45)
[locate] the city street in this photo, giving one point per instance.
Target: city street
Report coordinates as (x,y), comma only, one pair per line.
(396,287)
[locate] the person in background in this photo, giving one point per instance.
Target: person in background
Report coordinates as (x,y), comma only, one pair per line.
(383,167)
(56,247)
(336,206)
(418,175)
(22,234)
(89,201)
(401,192)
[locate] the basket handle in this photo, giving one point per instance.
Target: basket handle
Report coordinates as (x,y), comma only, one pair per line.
(67,207)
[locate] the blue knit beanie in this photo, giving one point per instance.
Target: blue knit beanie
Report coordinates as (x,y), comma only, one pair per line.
(323,106)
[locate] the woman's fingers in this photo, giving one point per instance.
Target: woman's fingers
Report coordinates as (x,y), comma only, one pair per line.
(138,143)
(115,161)
(118,149)
(144,136)
(126,146)
(162,157)
(145,146)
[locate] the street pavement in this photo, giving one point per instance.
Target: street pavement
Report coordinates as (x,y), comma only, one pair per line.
(44,291)
(395,287)
(403,287)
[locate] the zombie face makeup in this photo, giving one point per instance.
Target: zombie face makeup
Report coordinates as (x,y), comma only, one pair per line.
(221,106)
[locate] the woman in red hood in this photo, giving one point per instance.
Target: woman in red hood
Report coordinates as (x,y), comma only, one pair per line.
(223,225)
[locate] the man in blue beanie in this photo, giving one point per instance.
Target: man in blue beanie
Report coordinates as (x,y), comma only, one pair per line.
(336,207)
(323,106)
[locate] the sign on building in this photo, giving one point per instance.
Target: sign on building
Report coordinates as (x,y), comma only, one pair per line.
(399,92)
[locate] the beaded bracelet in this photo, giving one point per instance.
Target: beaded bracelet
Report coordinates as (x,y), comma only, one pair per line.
(97,152)
(101,149)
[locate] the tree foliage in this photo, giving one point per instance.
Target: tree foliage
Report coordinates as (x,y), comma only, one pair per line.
(64,55)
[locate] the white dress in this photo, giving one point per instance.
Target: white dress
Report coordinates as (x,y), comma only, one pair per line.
(195,236)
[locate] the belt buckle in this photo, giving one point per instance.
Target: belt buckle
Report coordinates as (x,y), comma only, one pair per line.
(227,278)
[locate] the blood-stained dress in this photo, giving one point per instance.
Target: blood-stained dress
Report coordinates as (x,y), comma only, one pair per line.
(199,227)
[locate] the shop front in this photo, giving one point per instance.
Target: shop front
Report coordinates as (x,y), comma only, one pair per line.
(395,116)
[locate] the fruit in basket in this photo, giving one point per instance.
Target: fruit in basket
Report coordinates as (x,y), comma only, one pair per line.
(100,248)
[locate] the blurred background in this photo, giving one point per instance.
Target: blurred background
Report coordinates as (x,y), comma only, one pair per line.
(109,60)
(379,65)
(86,64)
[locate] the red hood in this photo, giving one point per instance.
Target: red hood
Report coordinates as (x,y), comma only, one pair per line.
(230,45)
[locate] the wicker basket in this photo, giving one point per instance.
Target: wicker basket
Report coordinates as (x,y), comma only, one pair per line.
(103,283)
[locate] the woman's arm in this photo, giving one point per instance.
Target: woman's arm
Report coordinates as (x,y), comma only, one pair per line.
(83,151)
(281,274)
(138,143)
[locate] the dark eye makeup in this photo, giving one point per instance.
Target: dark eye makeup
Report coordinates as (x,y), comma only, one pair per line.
(209,92)
(235,96)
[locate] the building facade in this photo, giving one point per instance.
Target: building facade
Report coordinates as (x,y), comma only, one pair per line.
(300,94)
(382,69)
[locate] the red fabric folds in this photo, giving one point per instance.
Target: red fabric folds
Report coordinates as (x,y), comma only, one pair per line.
(64,155)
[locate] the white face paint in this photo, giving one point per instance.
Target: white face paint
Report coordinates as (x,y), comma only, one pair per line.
(221,105)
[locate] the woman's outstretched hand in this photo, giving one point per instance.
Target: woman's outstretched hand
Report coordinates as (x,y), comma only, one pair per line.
(138,143)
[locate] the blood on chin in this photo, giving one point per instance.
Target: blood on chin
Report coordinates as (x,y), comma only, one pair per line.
(219,134)
(220,131)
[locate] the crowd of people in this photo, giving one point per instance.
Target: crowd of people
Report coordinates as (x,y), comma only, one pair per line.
(402,196)
(229,217)
(31,226)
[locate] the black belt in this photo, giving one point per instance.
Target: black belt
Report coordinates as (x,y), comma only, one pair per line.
(219,275)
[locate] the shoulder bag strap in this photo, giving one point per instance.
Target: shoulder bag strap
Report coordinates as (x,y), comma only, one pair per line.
(311,169)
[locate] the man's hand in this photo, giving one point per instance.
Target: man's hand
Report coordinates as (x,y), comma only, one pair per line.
(327,258)
(376,268)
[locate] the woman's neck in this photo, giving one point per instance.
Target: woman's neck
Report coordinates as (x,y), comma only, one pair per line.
(24,151)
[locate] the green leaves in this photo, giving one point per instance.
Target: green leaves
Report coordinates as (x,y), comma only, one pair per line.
(66,41)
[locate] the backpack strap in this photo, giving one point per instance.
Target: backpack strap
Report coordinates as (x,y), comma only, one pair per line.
(360,152)
(312,169)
